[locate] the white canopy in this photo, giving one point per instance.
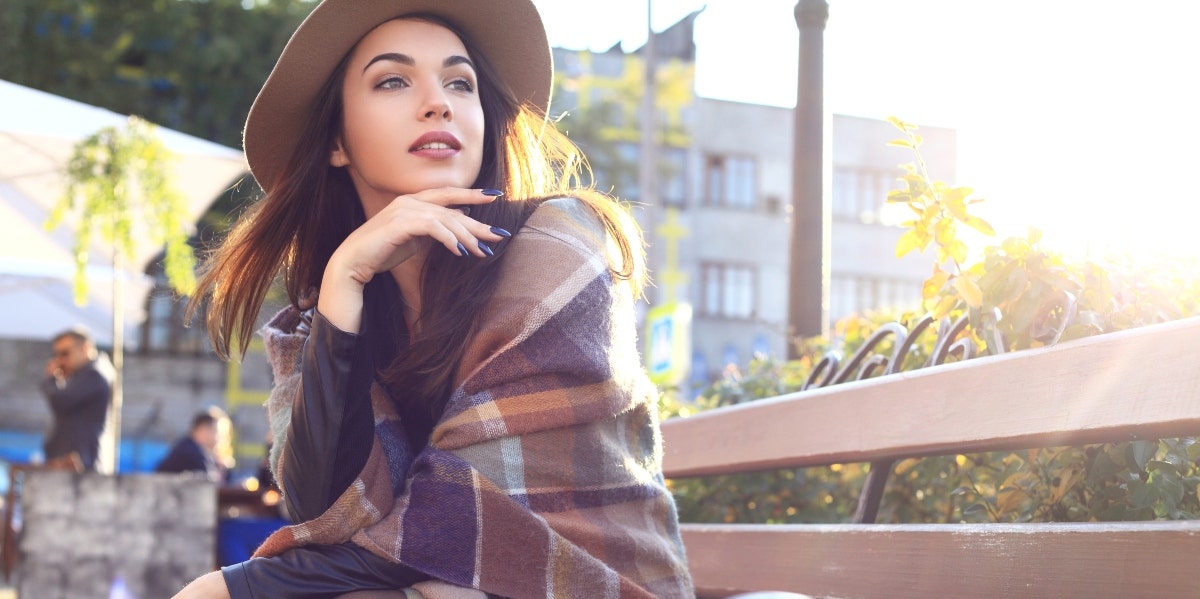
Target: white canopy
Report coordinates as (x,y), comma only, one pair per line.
(38,132)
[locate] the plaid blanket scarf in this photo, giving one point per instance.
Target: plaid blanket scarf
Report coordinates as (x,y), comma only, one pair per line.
(543,476)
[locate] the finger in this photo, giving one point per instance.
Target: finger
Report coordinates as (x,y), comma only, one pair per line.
(475,236)
(450,196)
(444,233)
(482,230)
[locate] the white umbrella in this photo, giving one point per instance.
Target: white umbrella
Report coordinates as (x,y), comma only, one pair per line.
(38,132)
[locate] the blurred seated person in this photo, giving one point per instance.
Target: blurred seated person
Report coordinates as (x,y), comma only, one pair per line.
(198,450)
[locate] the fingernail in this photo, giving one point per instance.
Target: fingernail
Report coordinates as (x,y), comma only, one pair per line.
(462,249)
(483,247)
(492,192)
(501,232)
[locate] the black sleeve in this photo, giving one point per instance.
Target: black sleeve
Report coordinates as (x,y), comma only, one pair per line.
(85,387)
(330,434)
(183,457)
(317,571)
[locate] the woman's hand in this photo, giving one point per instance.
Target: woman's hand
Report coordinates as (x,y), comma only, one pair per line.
(209,586)
(409,225)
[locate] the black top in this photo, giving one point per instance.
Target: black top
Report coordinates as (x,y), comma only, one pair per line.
(328,442)
(187,456)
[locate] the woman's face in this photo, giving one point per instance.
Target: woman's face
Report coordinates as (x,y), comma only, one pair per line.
(412,118)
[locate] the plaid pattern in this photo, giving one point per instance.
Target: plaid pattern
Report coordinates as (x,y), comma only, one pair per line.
(543,477)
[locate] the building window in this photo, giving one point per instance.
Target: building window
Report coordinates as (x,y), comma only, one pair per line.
(730,181)
(728,290)
(856,294)
(163,330)
(860,193)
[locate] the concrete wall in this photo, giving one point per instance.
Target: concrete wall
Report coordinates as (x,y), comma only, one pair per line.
(91,535)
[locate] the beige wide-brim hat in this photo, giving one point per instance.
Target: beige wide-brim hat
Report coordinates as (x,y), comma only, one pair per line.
(509,32)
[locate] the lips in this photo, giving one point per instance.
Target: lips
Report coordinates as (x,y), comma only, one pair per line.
(436,141)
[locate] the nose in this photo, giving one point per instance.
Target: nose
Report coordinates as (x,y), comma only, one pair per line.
(437,106)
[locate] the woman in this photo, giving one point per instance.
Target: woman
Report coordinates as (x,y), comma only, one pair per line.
(515,450)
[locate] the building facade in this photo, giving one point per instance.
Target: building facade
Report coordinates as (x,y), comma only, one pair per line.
(718,227)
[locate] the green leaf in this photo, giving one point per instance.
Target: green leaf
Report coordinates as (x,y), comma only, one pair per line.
(1142,452)
(1170,488)
(1143,495)
(1160,466)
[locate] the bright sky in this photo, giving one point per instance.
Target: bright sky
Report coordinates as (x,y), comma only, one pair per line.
(1078,117)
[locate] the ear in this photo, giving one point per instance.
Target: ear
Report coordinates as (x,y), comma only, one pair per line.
(338,155)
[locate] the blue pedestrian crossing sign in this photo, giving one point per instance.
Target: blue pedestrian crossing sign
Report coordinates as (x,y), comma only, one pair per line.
(668,342)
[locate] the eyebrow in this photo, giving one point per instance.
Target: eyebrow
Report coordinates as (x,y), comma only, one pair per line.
(408,60)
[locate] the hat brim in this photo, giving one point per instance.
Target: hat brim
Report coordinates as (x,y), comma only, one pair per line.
(509,32)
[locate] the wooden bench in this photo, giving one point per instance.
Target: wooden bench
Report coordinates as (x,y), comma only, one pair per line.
(1137,384)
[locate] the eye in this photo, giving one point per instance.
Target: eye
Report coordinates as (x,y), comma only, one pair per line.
(462,85)
(392,82)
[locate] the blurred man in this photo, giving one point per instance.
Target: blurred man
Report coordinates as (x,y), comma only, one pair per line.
(78,386)
(197,452)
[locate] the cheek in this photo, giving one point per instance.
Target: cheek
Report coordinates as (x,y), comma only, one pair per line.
(475,127)
(361,131)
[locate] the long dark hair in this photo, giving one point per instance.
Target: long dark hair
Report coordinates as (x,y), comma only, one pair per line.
(313,207)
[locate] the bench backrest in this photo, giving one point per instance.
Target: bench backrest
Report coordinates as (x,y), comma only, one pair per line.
(1137,384)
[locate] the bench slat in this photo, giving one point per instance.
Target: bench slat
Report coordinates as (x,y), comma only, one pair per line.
(1128,559)
(1140,383)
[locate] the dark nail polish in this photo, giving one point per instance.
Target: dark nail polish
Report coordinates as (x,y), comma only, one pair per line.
(492,192)
(501,232)
(483,247)
(462,249)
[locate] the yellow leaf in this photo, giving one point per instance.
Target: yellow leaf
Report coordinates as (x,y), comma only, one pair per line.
(900,143)
(979,225)
(908,242)
(943,232)
(906,465)
(956,206)
(933,285)
(1065,482)
(899,124)
(899,195)
(1035,235)
(957,251)
(944,307)
(969,291)
(1014,246)
(1009,499)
